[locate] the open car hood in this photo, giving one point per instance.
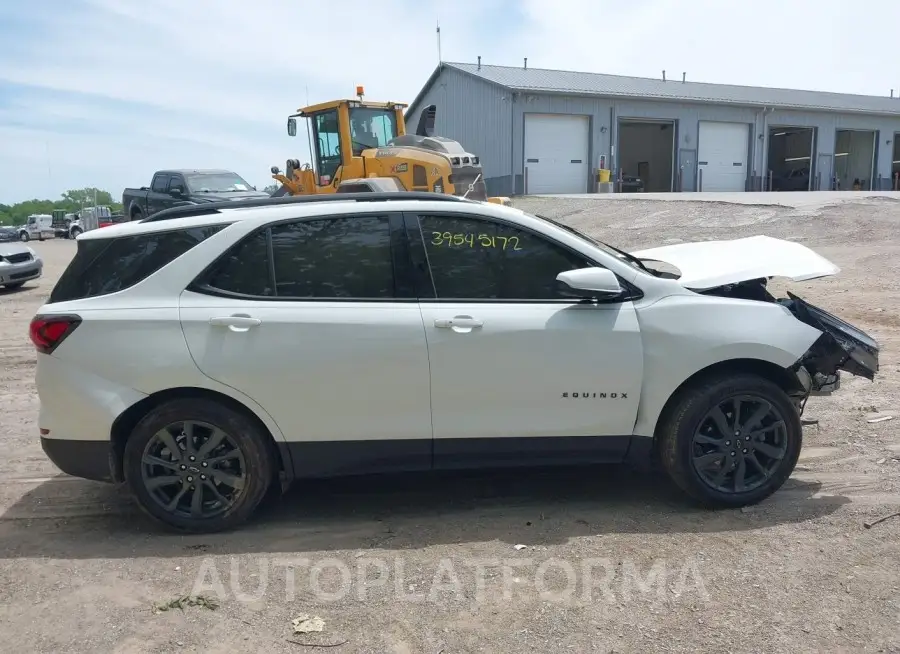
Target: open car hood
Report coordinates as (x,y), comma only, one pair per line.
(709,264)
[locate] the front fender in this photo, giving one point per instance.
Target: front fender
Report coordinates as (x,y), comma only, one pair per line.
(684,334)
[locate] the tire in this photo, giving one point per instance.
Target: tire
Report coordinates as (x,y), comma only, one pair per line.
(14,286)
(75,233)
(683,455)
(137,214)
(254,454)
(24,237)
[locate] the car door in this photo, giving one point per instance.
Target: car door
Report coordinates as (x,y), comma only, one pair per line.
(158,195)
(519,372)
(326,336)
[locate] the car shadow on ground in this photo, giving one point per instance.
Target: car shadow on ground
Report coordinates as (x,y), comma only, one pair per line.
(14,291)
(70,518)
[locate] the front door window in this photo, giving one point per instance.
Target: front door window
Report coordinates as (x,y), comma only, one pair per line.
(481,260)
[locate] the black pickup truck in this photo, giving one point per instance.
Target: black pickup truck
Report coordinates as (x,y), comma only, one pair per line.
(173,188)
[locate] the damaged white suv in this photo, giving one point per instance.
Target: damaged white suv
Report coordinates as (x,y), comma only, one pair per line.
(206,353)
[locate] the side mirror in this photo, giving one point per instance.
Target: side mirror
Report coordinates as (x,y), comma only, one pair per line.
(176,191)
(591,282)
(292,127)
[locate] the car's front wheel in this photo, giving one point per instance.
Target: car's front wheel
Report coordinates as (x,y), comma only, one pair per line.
(731,441)
(198,466)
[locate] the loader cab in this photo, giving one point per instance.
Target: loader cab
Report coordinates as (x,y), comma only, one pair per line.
(341,130)
(371,127)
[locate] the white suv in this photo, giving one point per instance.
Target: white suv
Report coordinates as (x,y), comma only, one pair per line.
(205,353)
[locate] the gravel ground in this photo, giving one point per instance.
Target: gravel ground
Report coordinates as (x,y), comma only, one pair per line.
(610,560)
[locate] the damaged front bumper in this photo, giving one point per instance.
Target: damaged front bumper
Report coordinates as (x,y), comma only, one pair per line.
(819,384)
(841,347)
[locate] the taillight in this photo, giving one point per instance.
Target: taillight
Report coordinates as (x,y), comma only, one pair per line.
(47,332)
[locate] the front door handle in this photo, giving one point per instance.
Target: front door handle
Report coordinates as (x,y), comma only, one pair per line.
(462,324)
(236,323)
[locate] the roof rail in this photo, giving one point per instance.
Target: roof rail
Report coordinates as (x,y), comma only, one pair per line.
(209,208)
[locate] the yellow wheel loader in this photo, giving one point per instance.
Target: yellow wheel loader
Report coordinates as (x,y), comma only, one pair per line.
(353,140)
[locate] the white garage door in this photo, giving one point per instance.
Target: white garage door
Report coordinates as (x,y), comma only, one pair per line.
(556,153)
(722,155)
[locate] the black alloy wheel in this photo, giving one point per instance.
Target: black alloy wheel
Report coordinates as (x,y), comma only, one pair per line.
(193,470)
(739,444)
(199,465)
(730,439)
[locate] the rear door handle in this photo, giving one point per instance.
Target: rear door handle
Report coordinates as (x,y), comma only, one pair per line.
(236,323)
(458,323)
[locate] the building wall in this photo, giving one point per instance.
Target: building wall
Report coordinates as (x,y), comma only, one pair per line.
(478,115)
(828,124)
(607,113)
(489,121)
(525,103)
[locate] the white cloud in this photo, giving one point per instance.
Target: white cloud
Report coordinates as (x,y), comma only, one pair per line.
(117,88)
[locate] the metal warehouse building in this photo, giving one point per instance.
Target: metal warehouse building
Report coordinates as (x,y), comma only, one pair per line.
(548,131)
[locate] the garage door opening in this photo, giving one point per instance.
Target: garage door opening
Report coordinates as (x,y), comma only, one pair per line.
(895,166)
(854,159)
(790,158)
(646,156)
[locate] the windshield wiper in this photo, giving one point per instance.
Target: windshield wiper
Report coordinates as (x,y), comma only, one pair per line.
(631,258)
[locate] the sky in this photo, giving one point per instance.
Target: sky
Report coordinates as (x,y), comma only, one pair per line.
(104,92)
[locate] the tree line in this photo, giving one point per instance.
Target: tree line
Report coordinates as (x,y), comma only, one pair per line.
(70,201)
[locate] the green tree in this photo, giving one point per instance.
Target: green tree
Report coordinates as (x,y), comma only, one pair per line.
(76,198)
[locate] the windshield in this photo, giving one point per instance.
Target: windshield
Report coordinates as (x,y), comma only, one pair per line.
(631,260)
(216,183)
(371,128)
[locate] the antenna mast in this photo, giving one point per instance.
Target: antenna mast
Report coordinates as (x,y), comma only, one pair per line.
(438,31)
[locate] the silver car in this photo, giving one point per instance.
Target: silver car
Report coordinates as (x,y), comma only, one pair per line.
(18,264)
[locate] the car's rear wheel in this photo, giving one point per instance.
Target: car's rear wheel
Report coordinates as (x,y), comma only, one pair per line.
(731,441)
(198,466)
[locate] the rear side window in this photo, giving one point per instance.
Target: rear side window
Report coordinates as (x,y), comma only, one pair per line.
(104,266)
(347,257)
(339,257)
(245,268)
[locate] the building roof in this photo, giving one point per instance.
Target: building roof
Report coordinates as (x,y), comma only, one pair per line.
(563,82)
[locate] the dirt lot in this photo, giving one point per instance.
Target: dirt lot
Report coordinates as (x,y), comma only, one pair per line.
(613,560)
